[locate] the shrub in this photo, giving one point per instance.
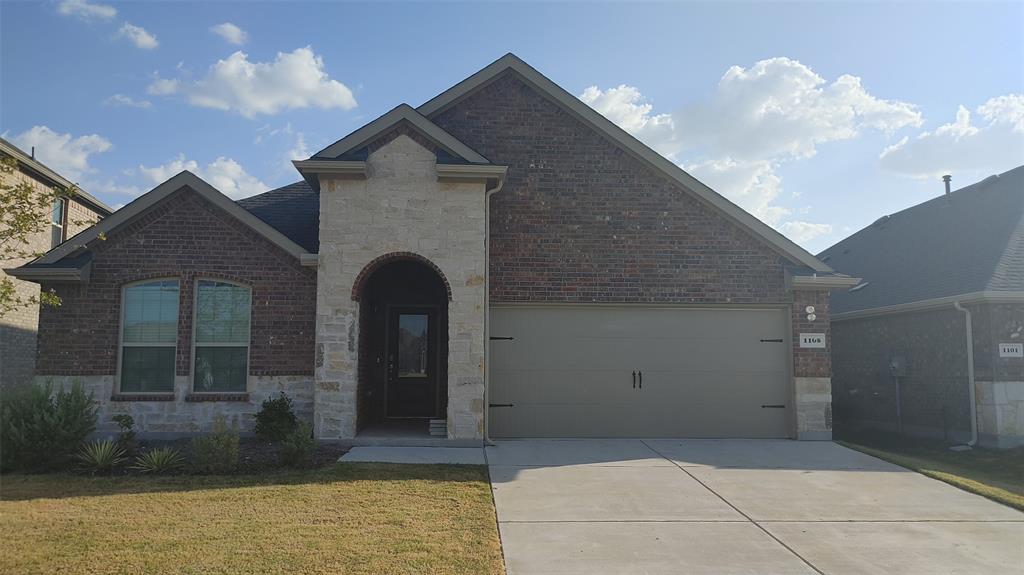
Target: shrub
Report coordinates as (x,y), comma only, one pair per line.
(100,456)
(216,452)
(160,460)
(276,418)
(126,435)
(40,429)
(297,447)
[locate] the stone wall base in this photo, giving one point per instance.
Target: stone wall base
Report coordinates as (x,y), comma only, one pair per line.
(177,417)
(1000,413)
(813,400)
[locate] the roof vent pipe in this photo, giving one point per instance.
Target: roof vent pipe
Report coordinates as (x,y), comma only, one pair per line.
(946,179)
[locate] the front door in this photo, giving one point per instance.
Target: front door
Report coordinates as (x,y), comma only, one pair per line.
(412,337)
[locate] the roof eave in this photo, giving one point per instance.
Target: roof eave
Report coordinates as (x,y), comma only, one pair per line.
(823,282)
(988,297)
(71,274)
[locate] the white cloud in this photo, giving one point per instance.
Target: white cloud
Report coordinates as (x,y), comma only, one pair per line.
(84,10)
(67,155)
(225,174)
(780,108)
(233,34)
(138,36)
(752,185)
(627,107)
(293,80)
(963,146)
(758,118)
(802,232)
(120,100)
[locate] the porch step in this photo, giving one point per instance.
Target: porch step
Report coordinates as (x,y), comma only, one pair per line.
(439,427)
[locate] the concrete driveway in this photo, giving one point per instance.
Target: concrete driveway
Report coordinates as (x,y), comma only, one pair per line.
(737,506)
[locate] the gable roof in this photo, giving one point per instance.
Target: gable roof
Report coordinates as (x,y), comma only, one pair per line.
(969,242)
(293,210)
(589,116)
(147,201)
(401,113)
(46,173)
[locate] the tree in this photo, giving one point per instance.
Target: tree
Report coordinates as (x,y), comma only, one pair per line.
(24,213)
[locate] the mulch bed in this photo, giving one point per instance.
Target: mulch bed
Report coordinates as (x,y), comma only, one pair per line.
(254,455)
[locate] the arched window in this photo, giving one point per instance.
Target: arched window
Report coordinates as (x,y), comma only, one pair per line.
(149,336)
(221,342)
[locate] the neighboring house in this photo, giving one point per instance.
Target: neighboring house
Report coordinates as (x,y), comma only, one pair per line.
(502,261)
(935,276)
(68,217)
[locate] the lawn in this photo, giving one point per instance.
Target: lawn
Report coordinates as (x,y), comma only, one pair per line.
(347,519)
(995,473)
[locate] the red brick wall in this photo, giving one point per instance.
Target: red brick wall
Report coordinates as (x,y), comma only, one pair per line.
(811,362)
(579,220)
(185,237)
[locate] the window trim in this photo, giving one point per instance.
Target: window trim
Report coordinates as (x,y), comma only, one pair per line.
(121,343)
(195,324)
(63,224)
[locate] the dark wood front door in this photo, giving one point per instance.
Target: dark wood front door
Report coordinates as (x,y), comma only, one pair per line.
(412,361)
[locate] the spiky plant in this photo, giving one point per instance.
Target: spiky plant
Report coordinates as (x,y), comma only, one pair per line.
(100,456)
(160,460)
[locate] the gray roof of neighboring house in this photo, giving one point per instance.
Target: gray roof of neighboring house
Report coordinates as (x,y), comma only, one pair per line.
(971,241)
(294,210)
(41,170)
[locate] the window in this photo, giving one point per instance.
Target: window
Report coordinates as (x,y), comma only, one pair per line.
(57,221)
(149,332)
(221,336)
(412,345)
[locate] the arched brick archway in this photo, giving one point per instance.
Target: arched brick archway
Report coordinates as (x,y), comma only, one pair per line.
(367,271)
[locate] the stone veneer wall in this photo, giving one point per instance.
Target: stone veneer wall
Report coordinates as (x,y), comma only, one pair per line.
(400,207)
(179,416)
(812,367)
(999,381)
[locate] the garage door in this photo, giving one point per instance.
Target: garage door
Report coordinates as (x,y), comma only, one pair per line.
(593,371)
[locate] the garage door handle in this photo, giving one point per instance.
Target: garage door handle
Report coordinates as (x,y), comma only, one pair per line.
(641,374)
(774,406)
(634,380)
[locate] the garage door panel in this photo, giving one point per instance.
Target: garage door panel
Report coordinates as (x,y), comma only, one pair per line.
(706,372)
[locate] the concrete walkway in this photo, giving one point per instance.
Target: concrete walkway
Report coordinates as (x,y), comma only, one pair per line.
(737,506)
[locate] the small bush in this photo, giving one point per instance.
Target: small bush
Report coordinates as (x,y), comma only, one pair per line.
(160,460)
(298,447)
(126,435)
(218,451)
(276,418)
(40,429)
(100,456)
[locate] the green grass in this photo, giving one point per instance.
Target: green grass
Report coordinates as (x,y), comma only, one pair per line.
(994,473)
(347,519)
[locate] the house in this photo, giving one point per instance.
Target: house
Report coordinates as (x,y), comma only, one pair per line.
(68,217)
(501,261)
(931,342)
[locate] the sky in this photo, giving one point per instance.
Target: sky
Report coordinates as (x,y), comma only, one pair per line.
(818,118)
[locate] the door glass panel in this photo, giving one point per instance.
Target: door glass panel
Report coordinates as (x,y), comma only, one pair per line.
(412,345)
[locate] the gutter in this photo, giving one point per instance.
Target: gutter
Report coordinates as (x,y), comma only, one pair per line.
(970,378)
(487,306)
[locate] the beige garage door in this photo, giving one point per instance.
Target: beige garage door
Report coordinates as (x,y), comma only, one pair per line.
(620,371)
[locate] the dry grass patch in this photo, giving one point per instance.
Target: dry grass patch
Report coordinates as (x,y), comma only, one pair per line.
(349,518)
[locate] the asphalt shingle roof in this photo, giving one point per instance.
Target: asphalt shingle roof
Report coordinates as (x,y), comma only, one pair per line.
(970,241)
(294,210)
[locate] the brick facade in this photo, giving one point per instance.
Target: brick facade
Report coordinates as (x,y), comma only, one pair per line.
(934,397)
(580,220)
(18,327)
(187,238)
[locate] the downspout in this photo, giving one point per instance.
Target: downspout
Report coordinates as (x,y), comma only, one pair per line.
(970,375)
(487,308)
